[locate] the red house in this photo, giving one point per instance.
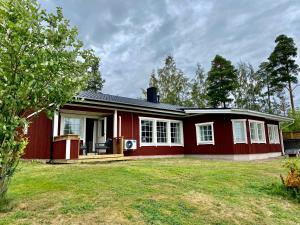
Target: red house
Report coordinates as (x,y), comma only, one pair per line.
(143,128)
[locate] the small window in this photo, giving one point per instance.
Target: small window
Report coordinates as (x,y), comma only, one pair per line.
(161,131)
(239,131)
(175,133)
(257,131)
(72,126)
(273,134)
(205,133)
(147,131)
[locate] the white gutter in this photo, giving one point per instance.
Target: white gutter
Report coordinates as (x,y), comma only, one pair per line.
(239,112)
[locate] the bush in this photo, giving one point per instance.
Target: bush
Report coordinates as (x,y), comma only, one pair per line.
(292,180)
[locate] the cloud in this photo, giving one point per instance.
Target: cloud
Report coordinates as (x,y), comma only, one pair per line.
(133,37)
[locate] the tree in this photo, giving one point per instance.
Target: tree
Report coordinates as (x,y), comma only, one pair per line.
(172,85)
(221,82)
(42,65)
(283,64)
(96,82)
(198,88)
(295,126)
(268,88)
(247,94)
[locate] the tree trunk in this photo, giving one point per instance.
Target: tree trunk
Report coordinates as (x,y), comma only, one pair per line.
(291,97)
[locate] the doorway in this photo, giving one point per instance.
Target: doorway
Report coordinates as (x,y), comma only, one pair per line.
(89,135)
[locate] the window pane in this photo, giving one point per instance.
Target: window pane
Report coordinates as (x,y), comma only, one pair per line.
(260,132)
(271,133)
(239,131)
(146,131)
(161,130)
(252,131)
(205,133)
(175,133)
(72,126)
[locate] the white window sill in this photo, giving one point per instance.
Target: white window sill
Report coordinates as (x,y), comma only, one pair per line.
(160,145)
(240,142)
(205,143)
(258,142)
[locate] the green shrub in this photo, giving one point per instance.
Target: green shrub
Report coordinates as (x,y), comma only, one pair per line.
(292,181)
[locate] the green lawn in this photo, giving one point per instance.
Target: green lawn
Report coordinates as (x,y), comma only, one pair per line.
(157,191)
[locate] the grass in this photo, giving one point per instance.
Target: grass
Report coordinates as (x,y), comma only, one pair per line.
(157,191)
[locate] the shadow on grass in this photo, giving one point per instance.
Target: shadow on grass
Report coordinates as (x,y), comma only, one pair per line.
(7,205)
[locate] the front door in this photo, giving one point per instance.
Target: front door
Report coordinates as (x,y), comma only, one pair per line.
(89,135)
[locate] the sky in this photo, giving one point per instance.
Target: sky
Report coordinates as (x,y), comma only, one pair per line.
(133,37)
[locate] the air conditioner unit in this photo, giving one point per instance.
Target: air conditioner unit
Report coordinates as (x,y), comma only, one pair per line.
(129,144)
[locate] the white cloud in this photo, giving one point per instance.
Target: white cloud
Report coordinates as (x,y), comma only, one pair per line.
(133,37)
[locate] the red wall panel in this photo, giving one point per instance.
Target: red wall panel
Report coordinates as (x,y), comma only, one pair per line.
(224,136)
(74,151)
(59,149)
(40,135)
(130,130)
(39,138)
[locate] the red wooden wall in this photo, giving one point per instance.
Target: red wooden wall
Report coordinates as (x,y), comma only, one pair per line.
(130,130)
(40,131)
(224,136)
(39,138)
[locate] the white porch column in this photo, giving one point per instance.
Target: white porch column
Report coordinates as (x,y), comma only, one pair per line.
(68,149)
(120,126)
(115,123)
(55,124)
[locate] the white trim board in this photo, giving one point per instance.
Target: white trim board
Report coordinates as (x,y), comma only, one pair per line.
(237,157)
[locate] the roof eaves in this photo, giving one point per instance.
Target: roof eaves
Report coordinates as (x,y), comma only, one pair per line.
(240,111)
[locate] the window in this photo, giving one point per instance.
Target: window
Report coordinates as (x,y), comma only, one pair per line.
(257,131)
(205,133)
(72,126)
(239,131)
(160,132)
(147,131)
(175,133)
(273,134)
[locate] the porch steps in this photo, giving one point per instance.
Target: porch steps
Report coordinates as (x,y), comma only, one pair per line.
(93,159)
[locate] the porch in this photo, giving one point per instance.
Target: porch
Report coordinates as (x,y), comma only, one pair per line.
(86,134)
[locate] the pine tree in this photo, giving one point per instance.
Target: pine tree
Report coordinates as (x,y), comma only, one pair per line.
(284,67)
(221,81)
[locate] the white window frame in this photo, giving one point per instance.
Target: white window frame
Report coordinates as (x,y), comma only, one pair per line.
(82,118)
(82,124)
(257,141)
(277,139)
(245,131)
(199,142)
(154,132)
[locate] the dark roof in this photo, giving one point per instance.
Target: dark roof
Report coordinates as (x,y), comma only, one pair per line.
(100,97)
